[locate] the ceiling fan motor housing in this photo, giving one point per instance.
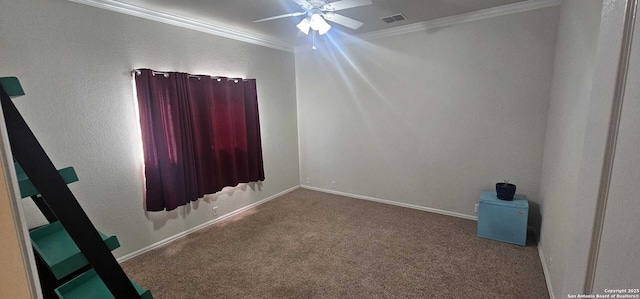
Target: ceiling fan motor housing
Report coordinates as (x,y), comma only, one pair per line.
(317,4)
(314,11)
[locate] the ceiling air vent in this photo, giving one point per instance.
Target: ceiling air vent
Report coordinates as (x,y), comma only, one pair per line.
(394,18)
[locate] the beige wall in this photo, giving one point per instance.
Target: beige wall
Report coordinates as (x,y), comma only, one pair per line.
(74,62)
(429,118)
(13,275)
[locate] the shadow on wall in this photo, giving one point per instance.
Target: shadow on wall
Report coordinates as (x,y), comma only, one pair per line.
(535,218)
(160,219)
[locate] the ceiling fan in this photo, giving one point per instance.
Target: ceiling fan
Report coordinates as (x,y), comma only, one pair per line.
(320,11)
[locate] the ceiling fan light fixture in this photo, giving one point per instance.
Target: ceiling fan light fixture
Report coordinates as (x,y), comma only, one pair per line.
(324,29)
(319,24)
(305,25)
(319,12)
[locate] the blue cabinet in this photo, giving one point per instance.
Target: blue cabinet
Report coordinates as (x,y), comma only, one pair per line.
(503,220)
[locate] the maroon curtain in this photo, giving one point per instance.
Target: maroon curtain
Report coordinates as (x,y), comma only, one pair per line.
(199,135)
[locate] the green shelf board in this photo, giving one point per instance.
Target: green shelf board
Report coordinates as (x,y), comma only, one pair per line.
(12,86)
(27,188)
(89,285)
(56,248)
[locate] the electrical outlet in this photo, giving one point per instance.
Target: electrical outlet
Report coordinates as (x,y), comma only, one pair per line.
(333,184)
(476,208)
(308,180)
(215,211)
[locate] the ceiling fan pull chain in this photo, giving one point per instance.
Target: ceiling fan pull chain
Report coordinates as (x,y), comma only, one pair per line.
(314,41)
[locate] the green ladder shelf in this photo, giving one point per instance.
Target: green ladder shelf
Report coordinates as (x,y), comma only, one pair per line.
(89,285)
(52,242)
(65,271)
(11,86)
(56,249)
(27,189)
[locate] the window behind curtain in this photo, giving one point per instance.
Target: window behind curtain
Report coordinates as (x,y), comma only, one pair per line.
(199,134)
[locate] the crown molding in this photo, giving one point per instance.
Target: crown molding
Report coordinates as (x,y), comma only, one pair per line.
(461,18)
(161,17)
(170,19)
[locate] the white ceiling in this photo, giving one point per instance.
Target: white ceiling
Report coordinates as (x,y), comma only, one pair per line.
(238,15)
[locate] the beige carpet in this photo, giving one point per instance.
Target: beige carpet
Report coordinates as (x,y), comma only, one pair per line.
(308,244)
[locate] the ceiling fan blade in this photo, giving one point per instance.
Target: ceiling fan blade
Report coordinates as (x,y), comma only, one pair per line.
(295,14)
(303,3)
(344,4)
(342,20)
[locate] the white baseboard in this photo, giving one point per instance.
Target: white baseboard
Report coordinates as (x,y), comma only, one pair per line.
(206,224)
(545,270)
(395,203)
(201,226)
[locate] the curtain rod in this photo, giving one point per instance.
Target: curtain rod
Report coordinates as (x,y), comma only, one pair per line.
(218,78)
(138,72)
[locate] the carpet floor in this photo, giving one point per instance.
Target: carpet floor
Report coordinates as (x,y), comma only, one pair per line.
(308,244)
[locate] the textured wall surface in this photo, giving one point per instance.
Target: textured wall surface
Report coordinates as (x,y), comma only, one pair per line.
(568,112)
(619,256)
(429,118)
(75,61)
